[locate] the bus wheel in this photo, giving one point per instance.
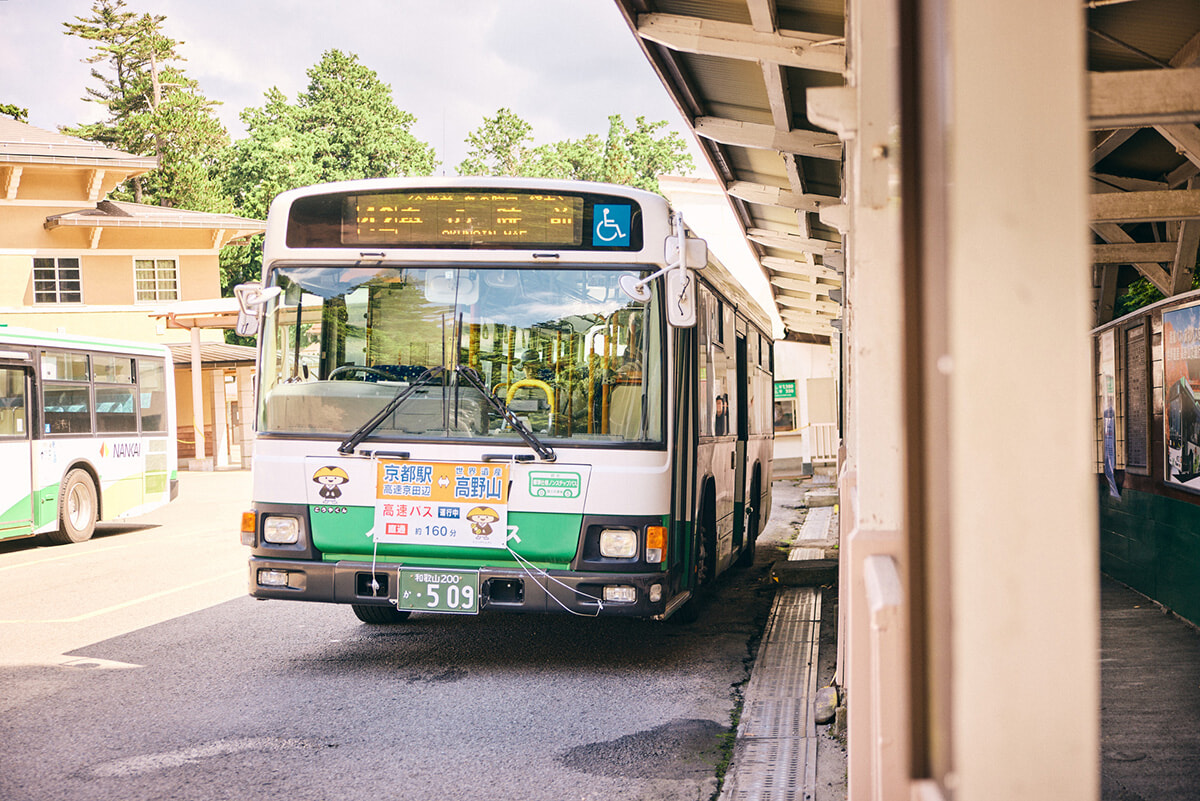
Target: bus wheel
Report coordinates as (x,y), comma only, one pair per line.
(746,557)
(704,569)
(379,615)
(77,508)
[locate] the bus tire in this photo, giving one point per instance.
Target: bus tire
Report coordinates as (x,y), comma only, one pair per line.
(379,615)
(77,509)
(750,537)
(746,555)
(704,569)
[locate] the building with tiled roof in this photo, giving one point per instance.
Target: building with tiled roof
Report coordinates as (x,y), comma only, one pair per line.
(75,262)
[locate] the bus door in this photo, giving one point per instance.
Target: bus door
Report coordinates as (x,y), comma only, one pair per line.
(16,446)
(742,391)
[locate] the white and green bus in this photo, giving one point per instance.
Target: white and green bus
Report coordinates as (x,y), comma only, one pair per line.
(87,432)
(505,395)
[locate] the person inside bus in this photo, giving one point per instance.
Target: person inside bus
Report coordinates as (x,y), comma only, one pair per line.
(721,420)
(532,367)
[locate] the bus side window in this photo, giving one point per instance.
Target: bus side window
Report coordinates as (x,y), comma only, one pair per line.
(12,402)
(67,409)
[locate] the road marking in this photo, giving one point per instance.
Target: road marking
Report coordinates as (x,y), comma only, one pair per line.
(165,760)
(88,552)
(87,662)
(134,601)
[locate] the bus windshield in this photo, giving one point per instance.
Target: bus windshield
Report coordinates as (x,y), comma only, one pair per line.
(566,350)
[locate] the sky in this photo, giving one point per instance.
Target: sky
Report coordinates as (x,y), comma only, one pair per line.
(562,65)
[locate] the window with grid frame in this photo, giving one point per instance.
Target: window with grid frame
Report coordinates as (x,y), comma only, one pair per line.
(57,281)
(156,279)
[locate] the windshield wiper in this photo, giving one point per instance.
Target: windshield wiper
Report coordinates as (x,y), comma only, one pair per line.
(540,448)
(544,451)
(366,428)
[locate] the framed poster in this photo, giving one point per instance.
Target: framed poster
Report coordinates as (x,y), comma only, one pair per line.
(1181,381)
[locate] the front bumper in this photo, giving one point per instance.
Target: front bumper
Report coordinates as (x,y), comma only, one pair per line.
(500,589)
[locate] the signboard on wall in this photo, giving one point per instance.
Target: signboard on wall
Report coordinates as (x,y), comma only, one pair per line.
(785,406)
(1181,385)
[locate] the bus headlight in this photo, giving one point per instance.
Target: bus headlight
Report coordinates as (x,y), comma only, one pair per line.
(618,543)
(281,530)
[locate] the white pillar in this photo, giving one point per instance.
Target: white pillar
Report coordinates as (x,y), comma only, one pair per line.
(1009,502)
(247,412)
(197,395)
(220,445)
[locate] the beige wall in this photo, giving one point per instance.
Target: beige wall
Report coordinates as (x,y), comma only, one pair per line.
(66,184)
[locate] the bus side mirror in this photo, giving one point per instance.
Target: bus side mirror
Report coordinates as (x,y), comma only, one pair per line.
(695,254)
(251,298)
(680,297)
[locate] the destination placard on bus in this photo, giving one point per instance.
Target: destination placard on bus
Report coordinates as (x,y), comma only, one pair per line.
(465,218)
(442,503)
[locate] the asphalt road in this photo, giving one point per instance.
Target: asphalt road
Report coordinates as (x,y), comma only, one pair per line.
(134,667)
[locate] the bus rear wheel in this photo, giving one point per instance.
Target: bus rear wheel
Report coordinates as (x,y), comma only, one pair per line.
(379,615)
(77,507)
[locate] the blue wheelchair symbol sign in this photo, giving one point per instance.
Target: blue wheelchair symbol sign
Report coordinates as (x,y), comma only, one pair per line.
(611,226)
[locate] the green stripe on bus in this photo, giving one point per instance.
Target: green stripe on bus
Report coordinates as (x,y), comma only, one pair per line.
(18,511)
(546,539)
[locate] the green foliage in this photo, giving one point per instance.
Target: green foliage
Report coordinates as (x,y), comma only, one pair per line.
(499,146)
(16,112)
(502,146)
(153,108)
(345,126)
(1142,293)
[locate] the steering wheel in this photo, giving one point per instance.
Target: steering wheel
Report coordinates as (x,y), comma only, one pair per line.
(531,382)
(347,369)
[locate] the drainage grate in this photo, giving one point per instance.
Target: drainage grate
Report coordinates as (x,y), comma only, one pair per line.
(775,756)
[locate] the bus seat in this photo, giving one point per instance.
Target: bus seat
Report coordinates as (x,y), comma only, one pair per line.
(625,411)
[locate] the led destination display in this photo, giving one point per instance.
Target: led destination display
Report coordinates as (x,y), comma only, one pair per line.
(479,219)
(457,218)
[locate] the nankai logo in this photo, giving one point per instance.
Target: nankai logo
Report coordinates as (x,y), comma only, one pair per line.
(121,450)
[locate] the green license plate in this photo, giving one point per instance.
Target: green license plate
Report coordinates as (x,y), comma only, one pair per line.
(433,590)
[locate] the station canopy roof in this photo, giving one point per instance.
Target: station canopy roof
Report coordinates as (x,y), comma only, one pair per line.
(740,70)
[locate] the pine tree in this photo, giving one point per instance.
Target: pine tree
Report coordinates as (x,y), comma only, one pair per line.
(345,126)
(153,108)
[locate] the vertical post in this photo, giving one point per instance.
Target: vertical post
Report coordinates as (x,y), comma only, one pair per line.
(245,384)
(197,395)
(872,482)
(1004,556)
(220,444)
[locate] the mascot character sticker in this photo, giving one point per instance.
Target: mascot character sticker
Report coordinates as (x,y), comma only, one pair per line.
(331,479)
(481,518)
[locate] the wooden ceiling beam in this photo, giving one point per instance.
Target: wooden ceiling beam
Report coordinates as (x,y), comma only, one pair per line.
(774,196)
(1185,138)
(1154,273)
(1119,207)
(813,306)
(814,144)
(791,268)
(1141,98)
(810,51)
(1111,142)
(1133,252)
(786,241)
